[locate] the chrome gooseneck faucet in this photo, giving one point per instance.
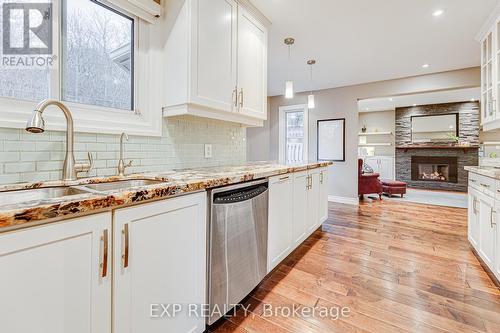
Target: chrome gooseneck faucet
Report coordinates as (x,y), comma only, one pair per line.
(37,125)
(121,164)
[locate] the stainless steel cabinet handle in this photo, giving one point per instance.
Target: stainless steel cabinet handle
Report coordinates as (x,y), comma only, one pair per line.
(284,178)
(126,245)
(235,97)
(321,177)
(485,185)
(241,98)
(104,264)
(491,218)
(473,180)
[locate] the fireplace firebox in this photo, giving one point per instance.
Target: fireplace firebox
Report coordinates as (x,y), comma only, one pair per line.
(434,168)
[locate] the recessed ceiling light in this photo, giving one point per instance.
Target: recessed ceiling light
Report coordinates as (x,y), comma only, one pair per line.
(425,66)
(438,12)
(390,99)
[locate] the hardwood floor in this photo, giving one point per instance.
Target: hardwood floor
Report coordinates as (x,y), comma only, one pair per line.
(398,267)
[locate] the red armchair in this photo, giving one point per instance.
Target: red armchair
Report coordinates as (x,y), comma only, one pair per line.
(368,183)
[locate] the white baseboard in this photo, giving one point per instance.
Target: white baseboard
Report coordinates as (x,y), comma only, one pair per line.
(344,200)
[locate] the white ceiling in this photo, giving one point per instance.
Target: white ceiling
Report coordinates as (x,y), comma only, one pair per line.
(390,103)
(358,41)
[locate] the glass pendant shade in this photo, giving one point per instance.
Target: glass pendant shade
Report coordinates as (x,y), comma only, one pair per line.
(289,89)
(310,101)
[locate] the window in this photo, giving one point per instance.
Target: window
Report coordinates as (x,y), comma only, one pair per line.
(96,66)
(97,55)
(293,129)
(99,52)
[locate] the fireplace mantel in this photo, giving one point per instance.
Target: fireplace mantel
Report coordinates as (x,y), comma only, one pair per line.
(464,148)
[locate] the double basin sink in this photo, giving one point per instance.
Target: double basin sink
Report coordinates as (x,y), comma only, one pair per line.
(61,192)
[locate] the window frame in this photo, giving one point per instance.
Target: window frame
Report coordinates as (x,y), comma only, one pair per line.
(144,119)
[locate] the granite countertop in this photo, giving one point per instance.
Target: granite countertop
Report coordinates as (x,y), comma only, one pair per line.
(485,171)
(175,182)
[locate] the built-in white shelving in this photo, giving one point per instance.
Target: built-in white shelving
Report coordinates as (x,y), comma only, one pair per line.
(375,133)
(375,144)
(491,143)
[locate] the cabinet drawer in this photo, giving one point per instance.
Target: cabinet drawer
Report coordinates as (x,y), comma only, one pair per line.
(483,184)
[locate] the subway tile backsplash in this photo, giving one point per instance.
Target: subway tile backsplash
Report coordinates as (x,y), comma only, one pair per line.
(26,157)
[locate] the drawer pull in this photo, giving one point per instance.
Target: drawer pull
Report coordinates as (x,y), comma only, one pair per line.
(473,180)
(485,185)
(126,247)
(491,218)
(284,178)
(104,264)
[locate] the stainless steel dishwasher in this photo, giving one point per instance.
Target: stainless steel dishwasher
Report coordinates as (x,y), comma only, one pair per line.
(237,260)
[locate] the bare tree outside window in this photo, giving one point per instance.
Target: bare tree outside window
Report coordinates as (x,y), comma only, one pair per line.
(97,55)
(20,82)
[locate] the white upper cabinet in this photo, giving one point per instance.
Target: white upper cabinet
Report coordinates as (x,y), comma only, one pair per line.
(252,66)
(57,278)
(216,54)
(216,63)
(490,80)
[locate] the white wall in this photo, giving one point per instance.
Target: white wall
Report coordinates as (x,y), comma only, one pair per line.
(343,103)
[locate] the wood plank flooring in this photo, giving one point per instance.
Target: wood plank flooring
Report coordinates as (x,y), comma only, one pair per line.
(398,267)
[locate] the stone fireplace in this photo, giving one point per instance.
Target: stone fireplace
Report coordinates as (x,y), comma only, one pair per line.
(434,169)
(437,165)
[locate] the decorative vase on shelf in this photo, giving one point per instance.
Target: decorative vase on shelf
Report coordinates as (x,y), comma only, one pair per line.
(363,129)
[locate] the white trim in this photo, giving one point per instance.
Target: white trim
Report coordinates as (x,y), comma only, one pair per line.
(491,21)
(281,129)
(146,119)
(343,200)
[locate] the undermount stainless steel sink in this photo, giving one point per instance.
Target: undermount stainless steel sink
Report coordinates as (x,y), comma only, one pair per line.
(35,194)
(122,184)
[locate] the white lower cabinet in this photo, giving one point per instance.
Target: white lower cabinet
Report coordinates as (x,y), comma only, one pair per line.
(487,229)
(160,258)
(299,207)
(51,279)
(323,195)
(279,229)
(296,210)
(313,201)
(473,217)
(483,216)
(383,165)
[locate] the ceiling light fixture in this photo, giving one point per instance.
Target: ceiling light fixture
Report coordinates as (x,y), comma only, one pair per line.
(289,83)
(414,104)
(425,66)
(391,99)
(310,97)
(438,12)
(472,99)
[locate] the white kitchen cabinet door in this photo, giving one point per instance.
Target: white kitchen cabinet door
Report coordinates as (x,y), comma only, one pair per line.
(386,168)
(51,280)
(323,195)
(299,208)
(215,54)
(252,66)
(486,229)
(473,218)
(496,265)
(160,257)
(313,200)
(279,241)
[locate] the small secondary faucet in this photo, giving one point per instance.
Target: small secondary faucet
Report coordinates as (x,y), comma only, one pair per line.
(37,125)
(121,164)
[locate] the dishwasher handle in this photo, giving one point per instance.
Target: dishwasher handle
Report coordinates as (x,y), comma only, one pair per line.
(239,195)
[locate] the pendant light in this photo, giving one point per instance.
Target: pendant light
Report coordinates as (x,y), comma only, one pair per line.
(310,97)
(289,83)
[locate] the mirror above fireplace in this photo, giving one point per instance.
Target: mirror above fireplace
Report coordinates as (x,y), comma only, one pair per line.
(435,128)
